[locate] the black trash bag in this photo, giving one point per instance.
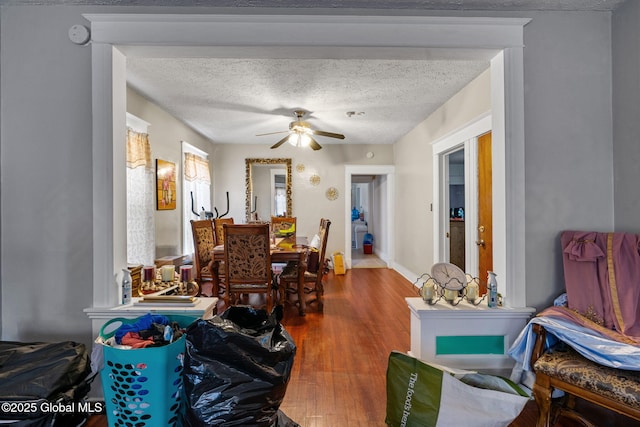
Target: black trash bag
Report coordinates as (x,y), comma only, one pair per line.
(236,369)
(40,374)
(284,421)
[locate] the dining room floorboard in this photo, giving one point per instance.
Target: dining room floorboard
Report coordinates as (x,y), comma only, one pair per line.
(339,373)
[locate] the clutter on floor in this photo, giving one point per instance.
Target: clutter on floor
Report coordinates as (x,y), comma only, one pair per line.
(427,395)
(236,369)
(44,384)
(232,369)
(141,362)
(587,344)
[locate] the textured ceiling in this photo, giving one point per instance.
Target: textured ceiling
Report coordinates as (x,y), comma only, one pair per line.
(360,4)
(232,100)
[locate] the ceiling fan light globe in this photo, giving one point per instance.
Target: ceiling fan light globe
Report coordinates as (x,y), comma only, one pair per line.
(301,134)
(299,139)
(304,140)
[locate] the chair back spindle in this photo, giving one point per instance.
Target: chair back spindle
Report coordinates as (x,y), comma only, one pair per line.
(247,258)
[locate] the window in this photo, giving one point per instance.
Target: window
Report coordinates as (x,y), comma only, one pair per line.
(140,194)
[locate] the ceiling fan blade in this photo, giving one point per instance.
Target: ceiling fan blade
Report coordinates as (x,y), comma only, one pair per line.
(271,133)
(314,144)
(279,143)
(329,134)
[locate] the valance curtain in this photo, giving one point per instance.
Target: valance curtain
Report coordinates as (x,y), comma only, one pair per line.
(196,168)
(140,200)
(197,193)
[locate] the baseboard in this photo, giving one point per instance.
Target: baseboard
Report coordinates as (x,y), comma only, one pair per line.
(407,274)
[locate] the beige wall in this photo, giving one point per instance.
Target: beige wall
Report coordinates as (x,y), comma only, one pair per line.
(414,181)
(309,201)
(228,174)
(165,136)
(412,157)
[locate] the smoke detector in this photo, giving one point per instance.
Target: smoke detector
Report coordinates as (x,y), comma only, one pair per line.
(354,113)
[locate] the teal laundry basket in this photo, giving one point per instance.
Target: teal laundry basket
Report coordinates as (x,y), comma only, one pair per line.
(143,387)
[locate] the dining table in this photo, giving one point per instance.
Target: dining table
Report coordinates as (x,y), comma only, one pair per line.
(282,252)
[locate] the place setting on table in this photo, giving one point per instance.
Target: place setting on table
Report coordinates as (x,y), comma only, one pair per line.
(285,244)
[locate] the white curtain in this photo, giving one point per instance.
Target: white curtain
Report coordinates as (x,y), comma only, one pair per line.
(140,200)
(197,192)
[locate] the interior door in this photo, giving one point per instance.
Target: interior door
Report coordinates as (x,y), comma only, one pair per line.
(485,213)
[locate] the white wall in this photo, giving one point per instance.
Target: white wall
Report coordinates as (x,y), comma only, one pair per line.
(380,220)
(165,136)
(46,171)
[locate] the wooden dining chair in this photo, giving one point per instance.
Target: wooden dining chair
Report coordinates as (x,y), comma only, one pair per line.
(247,257)
(203,243)
(218,267)
(219,223)
(315,270)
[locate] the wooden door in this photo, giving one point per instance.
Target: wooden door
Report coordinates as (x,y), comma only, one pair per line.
(485,213)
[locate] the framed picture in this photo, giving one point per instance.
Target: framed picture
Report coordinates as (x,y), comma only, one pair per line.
(165,185)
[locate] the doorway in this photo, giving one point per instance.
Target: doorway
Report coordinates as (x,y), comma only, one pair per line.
(111,32)
(367,204)
(458,190)
(374,187)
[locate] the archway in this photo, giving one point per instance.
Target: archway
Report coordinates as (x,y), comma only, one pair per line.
(116,35)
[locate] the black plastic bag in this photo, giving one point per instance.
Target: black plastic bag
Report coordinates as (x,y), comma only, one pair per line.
(236,369)
(34,375)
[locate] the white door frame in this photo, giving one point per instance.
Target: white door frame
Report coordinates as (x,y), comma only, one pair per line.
(465,137)
(115,35)
(386,206)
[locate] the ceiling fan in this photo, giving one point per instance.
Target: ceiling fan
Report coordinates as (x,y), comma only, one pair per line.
(300,133)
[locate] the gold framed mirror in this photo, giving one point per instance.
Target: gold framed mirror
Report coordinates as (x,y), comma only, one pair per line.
(268,188)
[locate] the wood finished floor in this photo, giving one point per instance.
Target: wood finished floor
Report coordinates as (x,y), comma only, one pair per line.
(338,378)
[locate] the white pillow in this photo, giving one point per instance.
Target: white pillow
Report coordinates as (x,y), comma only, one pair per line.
(315,242)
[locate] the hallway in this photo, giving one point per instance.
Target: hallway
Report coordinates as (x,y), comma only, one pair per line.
(361,260)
